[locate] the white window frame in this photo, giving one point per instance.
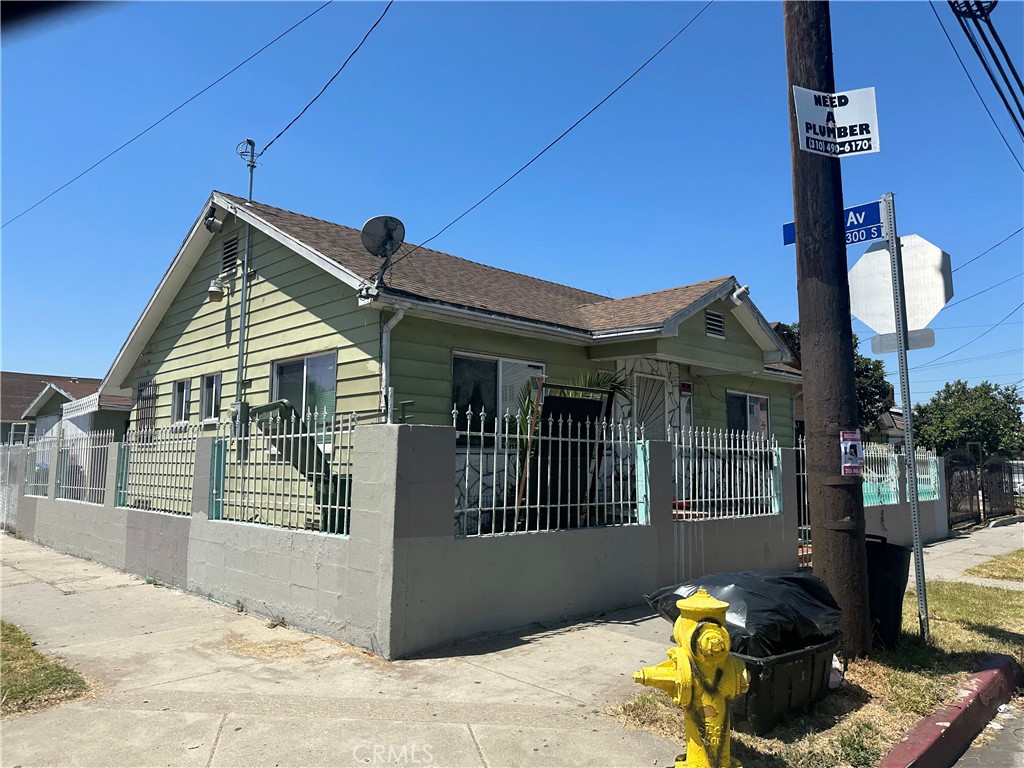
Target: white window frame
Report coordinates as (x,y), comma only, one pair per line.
(181,401)
(12,440)
(204,402)
(500,379)
(746,410)
(685,406)
(305,377)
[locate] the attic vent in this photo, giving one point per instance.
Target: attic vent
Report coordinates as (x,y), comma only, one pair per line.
(229,255)
(714,324)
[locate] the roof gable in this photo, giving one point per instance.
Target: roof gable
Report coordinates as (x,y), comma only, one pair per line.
(18,391)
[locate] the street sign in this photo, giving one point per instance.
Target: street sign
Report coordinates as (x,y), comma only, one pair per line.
(927,277)
(863,223)
(887,343)
(836,124)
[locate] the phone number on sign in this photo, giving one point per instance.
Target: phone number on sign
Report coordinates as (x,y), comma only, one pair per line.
(838,148)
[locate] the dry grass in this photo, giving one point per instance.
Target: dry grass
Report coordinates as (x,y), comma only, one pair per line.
(884,695)
(29,681)
(1009,567)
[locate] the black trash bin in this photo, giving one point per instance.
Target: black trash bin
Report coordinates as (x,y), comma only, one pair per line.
(888,572)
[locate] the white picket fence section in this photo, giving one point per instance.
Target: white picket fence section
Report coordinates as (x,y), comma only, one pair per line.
(156,468)
(82,466)
(520,475)
(725,474)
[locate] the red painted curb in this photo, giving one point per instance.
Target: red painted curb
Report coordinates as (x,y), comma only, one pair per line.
(938,741)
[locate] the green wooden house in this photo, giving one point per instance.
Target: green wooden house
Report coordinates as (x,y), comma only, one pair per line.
(434,332)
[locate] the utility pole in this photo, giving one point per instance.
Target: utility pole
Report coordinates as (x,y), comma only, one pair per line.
(826,336)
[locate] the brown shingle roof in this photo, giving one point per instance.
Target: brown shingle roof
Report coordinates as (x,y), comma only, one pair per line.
(441,277)
(18,390)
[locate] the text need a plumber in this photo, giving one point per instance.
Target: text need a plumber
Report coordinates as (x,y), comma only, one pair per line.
(837,124)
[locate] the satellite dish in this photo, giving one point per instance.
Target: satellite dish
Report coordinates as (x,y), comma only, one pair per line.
(383,235)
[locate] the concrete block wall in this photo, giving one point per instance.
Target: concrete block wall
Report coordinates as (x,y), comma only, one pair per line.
(895,522)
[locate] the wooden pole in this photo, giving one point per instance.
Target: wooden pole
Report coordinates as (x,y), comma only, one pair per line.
(826,337)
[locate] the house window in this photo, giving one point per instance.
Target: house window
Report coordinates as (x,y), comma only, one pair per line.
(209,398)
(145,408)
(714,324)
(747,413)
(685,406)
(180,397)
(652,405)
(308,384)
(229,255)
(491,384)
(19,433)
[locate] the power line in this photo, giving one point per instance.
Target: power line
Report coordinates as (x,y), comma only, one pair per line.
(990,329)
(975,87)
(1019,230)
(986,290)
(945,328)
(342,67)
(180,106)
(561,136)
(976,358)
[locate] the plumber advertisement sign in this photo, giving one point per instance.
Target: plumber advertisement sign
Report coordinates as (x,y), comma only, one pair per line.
(836,124)
(852,460)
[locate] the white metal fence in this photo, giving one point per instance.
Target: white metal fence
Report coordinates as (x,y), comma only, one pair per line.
(927,472)
(803,510)
(286,472)
(881,486)
(12,456)
(82,466)
(156,468)
(722,474)
(519,475)
(37,466)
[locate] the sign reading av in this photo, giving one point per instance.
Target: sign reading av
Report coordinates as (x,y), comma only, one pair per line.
(836,124)
(863,224)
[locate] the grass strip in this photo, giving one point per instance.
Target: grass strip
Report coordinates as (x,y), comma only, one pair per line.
(29,681)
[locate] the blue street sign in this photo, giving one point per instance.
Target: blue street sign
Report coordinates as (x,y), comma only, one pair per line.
(863,224)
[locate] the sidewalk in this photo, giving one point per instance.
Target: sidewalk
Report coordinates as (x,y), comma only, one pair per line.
(183,681)
(948,559)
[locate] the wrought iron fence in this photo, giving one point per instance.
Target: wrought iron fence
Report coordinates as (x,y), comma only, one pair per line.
(517,475)
(37,465)
(963,488)
(997,487)
(803,511)
(82,466)
(881,475)
(926,465)
(285,471)
(156,468)
(723,474)
(12,457)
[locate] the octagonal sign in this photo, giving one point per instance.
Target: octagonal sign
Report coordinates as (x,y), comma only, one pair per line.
(927,284)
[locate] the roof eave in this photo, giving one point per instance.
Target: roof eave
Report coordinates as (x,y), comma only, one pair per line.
(42,397)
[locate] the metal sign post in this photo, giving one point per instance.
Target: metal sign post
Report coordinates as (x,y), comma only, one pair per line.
(896,257)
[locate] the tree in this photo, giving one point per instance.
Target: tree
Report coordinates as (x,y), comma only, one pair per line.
(874,393)
(958,414)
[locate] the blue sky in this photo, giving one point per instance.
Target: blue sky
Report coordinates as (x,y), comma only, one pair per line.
(682,176)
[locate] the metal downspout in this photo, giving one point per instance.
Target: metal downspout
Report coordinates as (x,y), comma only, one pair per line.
(239,394)
(385,363)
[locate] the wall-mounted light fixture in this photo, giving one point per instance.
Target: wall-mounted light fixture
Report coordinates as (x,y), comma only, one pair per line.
(218,289)
(212,223)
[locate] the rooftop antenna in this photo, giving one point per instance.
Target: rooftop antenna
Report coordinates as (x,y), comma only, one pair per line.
(382,236)
(247,151)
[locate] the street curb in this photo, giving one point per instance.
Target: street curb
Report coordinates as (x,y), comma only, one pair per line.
(942,737)
(1004,521)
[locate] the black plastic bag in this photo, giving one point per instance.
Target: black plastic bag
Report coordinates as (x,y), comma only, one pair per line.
(770,613)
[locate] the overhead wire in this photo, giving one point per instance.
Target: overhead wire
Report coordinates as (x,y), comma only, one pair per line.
(333,77)
(971,261)
(183,104)
(1013,154)
(980,335)
(561,136)
(986,290)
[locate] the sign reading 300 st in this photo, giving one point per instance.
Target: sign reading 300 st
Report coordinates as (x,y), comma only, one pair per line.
(836,124)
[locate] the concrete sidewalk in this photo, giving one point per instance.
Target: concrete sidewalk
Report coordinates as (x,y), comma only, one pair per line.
(948,559)
(183,681)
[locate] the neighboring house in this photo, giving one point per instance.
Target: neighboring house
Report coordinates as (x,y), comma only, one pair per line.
(437,330)
(30,403)
(889,428)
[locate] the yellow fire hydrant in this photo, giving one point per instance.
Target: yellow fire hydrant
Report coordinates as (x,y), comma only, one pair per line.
(701,677)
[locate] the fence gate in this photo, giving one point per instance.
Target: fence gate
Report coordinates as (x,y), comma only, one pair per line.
(997,487)
(963,487)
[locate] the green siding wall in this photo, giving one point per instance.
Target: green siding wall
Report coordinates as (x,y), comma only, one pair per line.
(421,361)
(709,401)
(737,351)
(295,309)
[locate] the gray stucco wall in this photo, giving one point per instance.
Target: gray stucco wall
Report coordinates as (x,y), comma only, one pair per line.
(737,544)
